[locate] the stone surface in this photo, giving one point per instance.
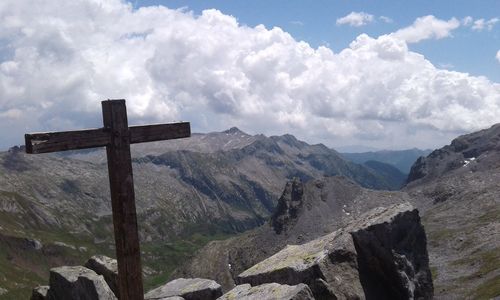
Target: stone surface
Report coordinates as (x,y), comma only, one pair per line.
(382,255)
(39,293)
(328,265)
(108,268)
(78,283)
(187,288)
(269,291)
(392,254)
(35,244)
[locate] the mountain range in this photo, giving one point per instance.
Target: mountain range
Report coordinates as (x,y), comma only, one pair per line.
(55,208)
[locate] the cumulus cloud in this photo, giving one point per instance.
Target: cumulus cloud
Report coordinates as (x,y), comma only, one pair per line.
(481,24)
(428,27)
(356,19)
(498,55)
(59,59)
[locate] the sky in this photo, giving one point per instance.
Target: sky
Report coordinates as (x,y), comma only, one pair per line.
(369,74)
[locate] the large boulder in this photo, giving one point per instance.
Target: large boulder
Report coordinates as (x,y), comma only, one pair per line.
(78,283)
(328,265)
(382,255)
(39,293)
(108,268)
(269,291)
(392,254)
(187,288)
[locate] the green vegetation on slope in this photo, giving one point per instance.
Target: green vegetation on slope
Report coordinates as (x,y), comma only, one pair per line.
(23,267)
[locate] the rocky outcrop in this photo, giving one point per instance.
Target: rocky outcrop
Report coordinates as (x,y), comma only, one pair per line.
(39,293)
(288,206)
(187,288)
(269,291)
(382,255)
(108,268)
(391,247)
(78,283)
(327,265)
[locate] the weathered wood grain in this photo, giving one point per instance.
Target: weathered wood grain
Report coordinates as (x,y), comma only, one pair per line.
(159,132)
(46,142)
(66,140)
(123,201)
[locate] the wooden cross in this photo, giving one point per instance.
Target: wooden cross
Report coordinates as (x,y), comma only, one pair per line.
(117,137)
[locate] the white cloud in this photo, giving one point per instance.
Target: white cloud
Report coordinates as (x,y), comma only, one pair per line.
(60,59)
(498,55)
(467,21)
(481,24)
(296,22)
(355,19)
(386,19)
(426,28)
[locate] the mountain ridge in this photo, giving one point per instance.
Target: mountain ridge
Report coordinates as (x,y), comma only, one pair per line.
(187,191)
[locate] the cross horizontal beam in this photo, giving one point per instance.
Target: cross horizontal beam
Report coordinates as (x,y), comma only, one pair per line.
(46,142)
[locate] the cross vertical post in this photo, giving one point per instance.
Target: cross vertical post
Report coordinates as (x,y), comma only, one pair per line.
(123,200)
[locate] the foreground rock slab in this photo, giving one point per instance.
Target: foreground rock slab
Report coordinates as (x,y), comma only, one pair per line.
(328,265)
(108,268)
(269,291)
(392,254)
(382,255)
(78,283)
(187,288)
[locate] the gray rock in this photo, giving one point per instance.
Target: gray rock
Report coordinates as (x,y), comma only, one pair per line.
(392,254)
(39,293)
(187,288)
(3,291)
(328,265)
(382,255)
(34,244)
(269,291)
(108,268)
(78,283)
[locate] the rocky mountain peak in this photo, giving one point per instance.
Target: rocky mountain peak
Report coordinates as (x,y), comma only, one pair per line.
(234,130)
(478,150)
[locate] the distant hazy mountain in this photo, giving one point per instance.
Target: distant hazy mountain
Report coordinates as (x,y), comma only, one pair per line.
(390,174)
(401,159)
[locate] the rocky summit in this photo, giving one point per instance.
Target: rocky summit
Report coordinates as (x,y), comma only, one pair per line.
(380,255)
